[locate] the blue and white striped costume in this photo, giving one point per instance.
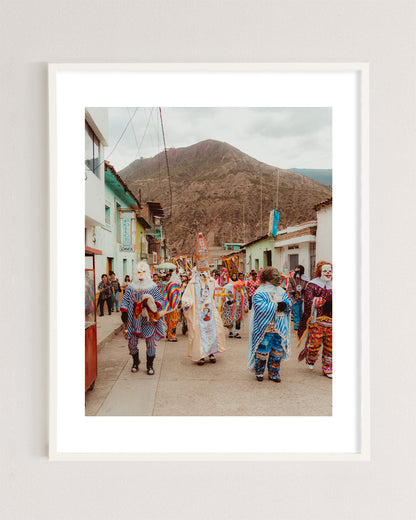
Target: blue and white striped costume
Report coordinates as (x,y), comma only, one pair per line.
(140,327)
(262,314)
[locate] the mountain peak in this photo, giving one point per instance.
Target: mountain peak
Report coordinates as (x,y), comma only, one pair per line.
(217,189)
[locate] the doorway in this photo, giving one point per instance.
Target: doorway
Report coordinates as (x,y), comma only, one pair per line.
(293,261)
(109,264)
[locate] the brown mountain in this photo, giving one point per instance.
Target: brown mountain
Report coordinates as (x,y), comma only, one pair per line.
(216,190)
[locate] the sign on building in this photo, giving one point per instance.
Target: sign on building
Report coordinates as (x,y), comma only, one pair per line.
(128,231)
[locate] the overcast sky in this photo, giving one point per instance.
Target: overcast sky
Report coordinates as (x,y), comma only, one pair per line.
(283,137)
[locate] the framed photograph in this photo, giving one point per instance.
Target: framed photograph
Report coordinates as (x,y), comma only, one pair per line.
(228,95)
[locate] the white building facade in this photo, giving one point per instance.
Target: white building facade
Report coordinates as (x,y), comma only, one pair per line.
(96,136)
(324,231)
(296,245)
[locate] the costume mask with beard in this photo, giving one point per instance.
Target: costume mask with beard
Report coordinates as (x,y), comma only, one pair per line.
(141,279)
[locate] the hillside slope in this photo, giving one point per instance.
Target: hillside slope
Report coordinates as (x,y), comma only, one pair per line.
(216,189)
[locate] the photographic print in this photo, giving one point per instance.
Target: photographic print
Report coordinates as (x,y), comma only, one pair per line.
(255,185)
(210,205)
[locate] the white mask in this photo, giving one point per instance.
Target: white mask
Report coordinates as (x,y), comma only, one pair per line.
(326,273)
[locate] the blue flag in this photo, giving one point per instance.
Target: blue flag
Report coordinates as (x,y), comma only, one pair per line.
(275,222)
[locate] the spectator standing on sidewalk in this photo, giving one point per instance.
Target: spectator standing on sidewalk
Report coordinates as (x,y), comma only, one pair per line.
(105,289)
(116,290)
(126,283)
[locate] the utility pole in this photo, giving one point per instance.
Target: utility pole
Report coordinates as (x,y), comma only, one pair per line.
(277,194)
(261,204)
(244,226)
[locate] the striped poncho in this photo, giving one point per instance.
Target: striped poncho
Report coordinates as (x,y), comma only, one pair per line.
(264,310)
(171,293)
(138,325)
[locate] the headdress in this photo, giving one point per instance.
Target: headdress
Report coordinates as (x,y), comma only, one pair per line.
(201,254)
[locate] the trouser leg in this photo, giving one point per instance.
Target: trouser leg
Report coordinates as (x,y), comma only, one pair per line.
(315,342)
(102,306)
(275,356)
(261,356)
(150,347)
(116,300)
(327,351)
(296,312)
(133,345)
(108,300)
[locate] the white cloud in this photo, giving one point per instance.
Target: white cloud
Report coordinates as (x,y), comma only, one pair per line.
(284,137)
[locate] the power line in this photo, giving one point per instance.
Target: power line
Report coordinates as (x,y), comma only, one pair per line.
(134,131)
(121,136)
(167,162)
(145,130)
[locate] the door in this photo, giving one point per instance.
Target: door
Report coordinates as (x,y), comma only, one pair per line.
(109,264)
(293,261)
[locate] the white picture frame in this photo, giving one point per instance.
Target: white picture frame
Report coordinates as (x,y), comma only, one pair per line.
(72,87)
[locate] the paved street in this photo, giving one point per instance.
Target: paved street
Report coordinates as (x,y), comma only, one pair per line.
(180,387)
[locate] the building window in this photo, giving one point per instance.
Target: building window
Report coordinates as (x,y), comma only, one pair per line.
(107,215)
(256,264)
(118,222)
(92,150)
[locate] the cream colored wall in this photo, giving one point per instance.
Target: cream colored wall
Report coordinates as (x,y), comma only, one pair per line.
(324,235)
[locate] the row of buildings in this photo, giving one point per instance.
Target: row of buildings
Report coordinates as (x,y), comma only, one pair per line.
(304,244)
(120,229)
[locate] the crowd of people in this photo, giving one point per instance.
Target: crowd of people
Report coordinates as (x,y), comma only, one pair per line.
(210,302)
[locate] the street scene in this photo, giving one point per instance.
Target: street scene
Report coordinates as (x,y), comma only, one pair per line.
(208,272)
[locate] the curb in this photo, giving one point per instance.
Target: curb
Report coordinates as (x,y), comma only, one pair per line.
(109,337)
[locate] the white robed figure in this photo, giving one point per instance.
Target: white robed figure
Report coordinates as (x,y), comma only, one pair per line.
(269,326)
(205,328)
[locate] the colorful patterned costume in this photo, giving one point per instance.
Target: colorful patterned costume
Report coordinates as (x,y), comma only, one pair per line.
(269,331)
(296,288)
(233,313)
(171,293)
(317,325)
(137,326)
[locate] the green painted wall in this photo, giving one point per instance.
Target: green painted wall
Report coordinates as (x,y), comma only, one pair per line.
(256,251)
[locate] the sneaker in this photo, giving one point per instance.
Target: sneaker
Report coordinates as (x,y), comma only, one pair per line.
(328,375)
(135,368)
(150,371)
(212,358)
(309,365)
(237,335)
(259,378)
(230,335)
(201,362)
